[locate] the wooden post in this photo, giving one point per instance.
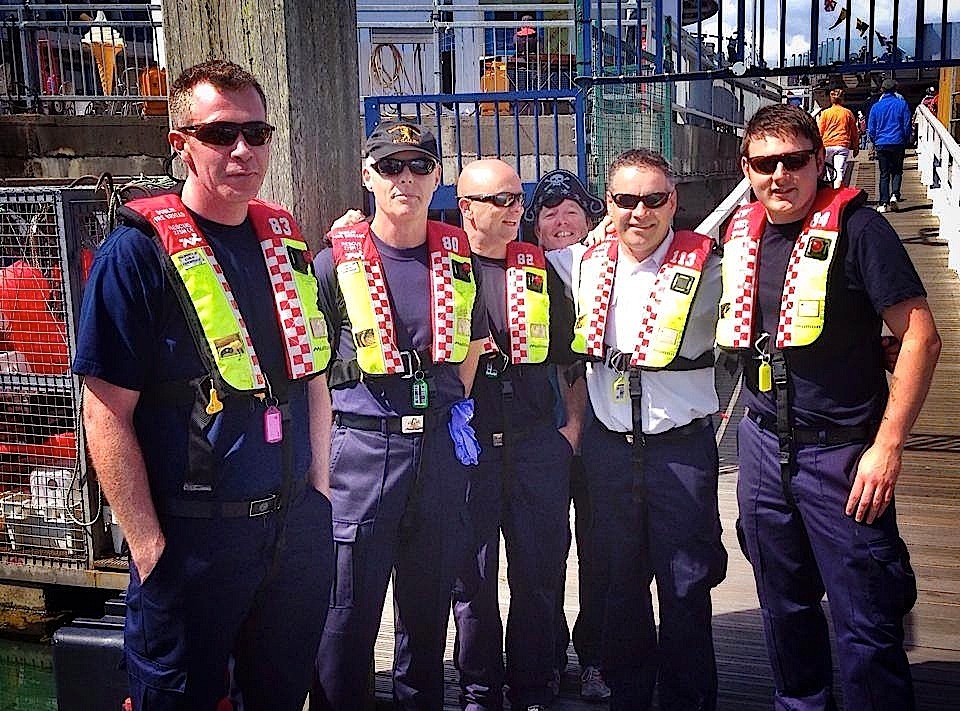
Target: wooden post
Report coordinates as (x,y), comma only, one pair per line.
(304,52)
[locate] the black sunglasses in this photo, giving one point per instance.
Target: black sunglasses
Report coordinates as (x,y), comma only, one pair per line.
(395,166)
(499,199)
(795,160)
(629,201)
(225,133)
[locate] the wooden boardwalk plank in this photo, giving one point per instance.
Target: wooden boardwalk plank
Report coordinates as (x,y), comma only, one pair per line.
(928,501)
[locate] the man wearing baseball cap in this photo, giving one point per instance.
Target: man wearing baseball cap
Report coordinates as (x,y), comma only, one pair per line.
(406,332)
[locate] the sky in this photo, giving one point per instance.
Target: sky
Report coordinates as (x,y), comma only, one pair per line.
(798,23)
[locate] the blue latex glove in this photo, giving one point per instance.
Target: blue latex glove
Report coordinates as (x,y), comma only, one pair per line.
(465,442)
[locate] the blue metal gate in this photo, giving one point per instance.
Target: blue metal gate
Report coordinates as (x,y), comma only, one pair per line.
(535,131)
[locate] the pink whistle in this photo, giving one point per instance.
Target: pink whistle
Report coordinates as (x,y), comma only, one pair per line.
(272,425)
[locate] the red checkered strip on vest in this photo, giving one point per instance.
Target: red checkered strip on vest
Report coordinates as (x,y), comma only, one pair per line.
(648,322)
(598,315)
(489,346)
(297,343)
(516,289)
(258,379)
(444,327)
(381,311)
(787,304)
(743,306)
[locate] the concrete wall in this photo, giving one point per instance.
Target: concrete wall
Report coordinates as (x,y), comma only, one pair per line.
(33,146)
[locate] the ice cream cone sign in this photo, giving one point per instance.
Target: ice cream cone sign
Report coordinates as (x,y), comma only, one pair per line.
(105,43)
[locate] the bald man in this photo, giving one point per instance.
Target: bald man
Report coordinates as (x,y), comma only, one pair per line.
(521,485)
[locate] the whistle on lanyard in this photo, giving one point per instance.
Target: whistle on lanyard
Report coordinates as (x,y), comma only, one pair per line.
(213,403)
(272,418)
(764,370)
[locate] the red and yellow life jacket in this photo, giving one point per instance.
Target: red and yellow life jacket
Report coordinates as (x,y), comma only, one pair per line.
(667,311)
(208,302)
(804,299)
(528,305)
(453,290)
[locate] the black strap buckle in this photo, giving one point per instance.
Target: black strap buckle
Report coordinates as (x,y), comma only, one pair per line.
(495,364)
(411,363)
(618,360)
(261,507)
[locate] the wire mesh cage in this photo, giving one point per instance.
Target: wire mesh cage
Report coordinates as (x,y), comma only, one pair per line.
(625,116)
(47,237)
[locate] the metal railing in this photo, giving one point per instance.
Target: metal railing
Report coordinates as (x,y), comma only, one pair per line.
(938,159)
(666,40)
(82,59)
(713,223)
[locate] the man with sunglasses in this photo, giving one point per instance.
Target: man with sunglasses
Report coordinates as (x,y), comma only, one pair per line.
(407,326)
(198,337)
(810,276)
(646,311)
(561,213)
(521,485)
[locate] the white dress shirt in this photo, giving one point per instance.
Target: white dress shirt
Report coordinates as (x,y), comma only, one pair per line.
(670,398)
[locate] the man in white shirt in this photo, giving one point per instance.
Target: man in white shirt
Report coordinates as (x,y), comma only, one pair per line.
(646,316)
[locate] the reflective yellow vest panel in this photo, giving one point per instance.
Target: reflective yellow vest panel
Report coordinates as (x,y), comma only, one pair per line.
(453,290)
(528,303)
(231,355)
(803,302)
(666,312)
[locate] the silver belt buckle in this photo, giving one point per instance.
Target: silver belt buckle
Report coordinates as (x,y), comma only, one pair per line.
(497,439)
(261,507)
(411,424)
(629,438)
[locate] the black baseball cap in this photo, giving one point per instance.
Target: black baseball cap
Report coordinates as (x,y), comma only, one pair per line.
(390,137)
(557,186)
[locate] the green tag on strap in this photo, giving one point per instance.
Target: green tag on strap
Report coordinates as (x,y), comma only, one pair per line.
(419,393)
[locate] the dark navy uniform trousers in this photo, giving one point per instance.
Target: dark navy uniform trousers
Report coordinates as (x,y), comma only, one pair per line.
(529,501)
(255,589)
(591,581)
(659,521)
(399,504)
(800,550)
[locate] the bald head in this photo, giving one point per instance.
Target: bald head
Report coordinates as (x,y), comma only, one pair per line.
(490,226)
(478,177)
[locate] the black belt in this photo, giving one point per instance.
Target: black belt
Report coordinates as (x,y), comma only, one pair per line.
(407,424)
(686,430)
(185,508)
(615,359)
(511,435)
(834,434)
